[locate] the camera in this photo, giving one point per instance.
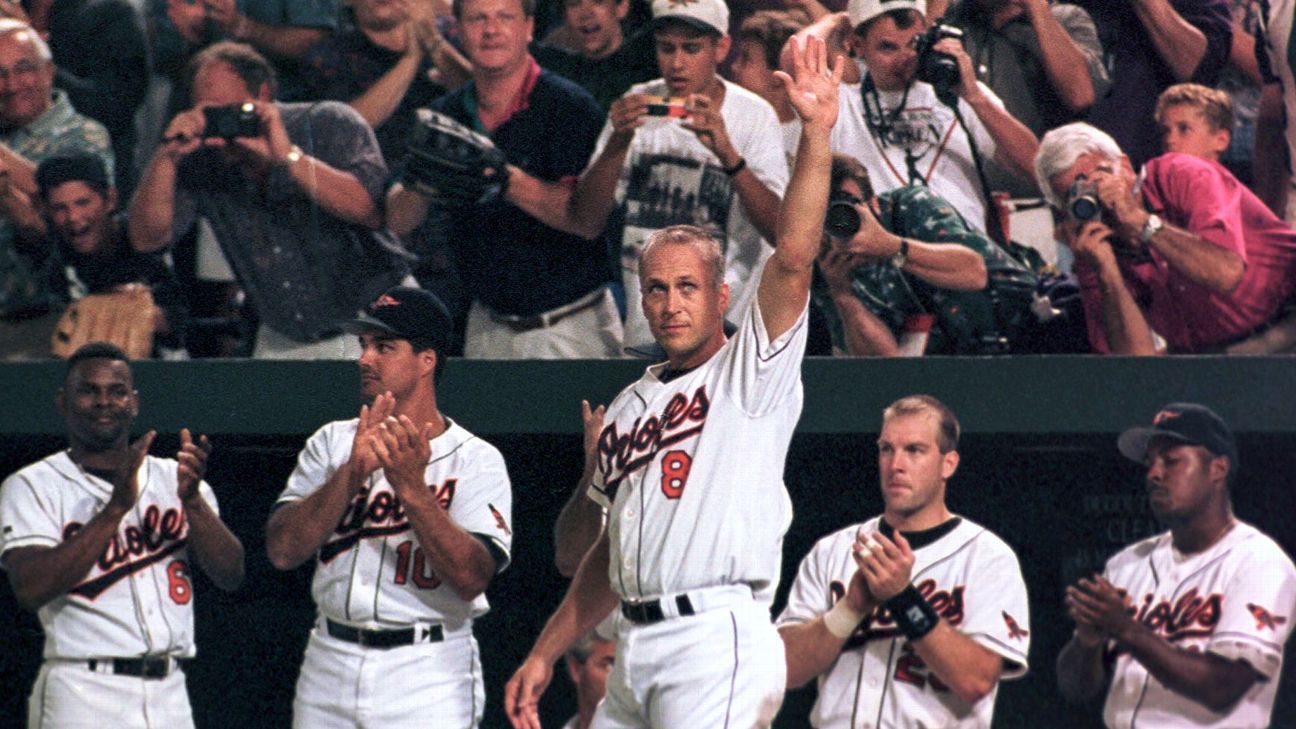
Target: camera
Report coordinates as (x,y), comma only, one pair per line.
(229,122)
(842,221)
(1082,201)
(674,106)
(938,69)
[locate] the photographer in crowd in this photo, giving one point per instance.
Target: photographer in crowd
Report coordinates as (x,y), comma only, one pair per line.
(292,192)
(903,274)
(1185,250)
(920,117)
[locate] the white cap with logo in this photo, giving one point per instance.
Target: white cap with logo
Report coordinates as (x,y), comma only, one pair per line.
(862,11)
(711,16)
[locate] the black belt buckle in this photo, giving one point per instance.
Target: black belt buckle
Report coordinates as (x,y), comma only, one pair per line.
(154,668)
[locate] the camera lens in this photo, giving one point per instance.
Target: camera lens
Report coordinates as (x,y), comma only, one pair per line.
(1083,207)
(842,221)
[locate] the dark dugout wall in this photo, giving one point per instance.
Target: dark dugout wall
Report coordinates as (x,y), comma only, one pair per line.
(1039,467)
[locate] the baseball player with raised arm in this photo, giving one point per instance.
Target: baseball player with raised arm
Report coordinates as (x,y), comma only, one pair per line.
(1189,625)
(912,618)
(407,515)
(98,540)
(693,545)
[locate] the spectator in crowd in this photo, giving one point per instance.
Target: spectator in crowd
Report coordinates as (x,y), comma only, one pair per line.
(589,663)
(37,121)
(1149,45)
(281,30)
(101,61)
(1043,60)
(1275,143)
(546,126)
(914,278)
(687,148)
(1241,80)
(90,251)
(1196,120)
(384,66)
(761,39)
(903,131)
(607,62)
(1184,250)
(294,201)
(1186,627)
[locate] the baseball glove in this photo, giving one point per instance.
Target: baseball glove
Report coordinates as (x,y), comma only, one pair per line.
(452,164)
(123,317)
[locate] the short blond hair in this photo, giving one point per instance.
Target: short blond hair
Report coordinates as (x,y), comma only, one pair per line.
(690,235)
(948,429)
(1214,105)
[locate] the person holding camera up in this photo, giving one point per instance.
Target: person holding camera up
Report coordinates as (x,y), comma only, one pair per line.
(920,117)
(292,192)
(1184,249)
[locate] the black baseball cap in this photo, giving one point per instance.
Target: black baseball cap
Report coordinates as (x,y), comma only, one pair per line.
(407,312)
(1186,422)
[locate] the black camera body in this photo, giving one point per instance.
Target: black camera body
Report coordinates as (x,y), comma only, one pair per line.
(230,122)
(938,69)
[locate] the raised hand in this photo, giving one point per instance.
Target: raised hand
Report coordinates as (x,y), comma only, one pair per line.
(704,120)
(858,596)
(372,416)
(125,478)
(1101,608)
(404,450)
(812,85)
(192,458)
(593,423)
(887,565)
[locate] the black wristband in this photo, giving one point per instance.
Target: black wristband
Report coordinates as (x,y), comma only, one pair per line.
(739,166)
(912,614)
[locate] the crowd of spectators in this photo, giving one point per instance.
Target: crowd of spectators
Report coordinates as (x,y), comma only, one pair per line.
(1163,161)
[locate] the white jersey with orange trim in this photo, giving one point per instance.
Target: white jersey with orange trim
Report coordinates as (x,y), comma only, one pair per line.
(1236,600)
(691,469)
(371,571)
(137,598)
(968,575)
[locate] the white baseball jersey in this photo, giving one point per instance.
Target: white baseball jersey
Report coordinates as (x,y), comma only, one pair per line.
(371,570)
(137,598)
(1235,600)
(924,145)
(691,470)
(968,575)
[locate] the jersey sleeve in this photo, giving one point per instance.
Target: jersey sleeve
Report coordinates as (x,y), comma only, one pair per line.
(28,516)
(1257,612)
(483,502)
(760,373)
(809,597)
(315,465)
(997,609)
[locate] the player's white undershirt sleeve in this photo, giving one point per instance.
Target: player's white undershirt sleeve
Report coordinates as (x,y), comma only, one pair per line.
(1258,611)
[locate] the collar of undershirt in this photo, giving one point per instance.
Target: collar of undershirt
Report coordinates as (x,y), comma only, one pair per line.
(667,374)
(920,539)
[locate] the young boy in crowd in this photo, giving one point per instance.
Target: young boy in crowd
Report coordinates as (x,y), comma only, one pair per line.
(1196,120)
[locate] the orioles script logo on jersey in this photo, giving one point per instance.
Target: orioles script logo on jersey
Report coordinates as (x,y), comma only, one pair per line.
(879,624)
(381,516)
(158,534)
(1191,616)
(624,453)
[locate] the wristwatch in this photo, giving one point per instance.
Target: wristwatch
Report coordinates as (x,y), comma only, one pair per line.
(902,256)
(294,156)
(1153,226)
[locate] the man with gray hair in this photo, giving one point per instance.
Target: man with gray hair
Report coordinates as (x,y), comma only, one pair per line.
(37,122)
(1183,249)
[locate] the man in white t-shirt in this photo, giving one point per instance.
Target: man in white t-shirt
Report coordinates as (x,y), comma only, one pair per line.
(688,148)
(900,128)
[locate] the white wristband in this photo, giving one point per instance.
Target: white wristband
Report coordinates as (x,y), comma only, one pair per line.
(841,621)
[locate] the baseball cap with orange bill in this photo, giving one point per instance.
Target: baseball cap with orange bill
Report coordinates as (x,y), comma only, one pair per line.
(710,16)
(1185,422)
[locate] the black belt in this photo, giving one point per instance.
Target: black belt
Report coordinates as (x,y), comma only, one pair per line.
(157,667)
(542,321)
(650,611)
(385,638)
